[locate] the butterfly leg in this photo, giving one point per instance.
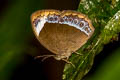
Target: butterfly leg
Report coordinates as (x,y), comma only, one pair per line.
(77,53)
(44,57)
(66,60)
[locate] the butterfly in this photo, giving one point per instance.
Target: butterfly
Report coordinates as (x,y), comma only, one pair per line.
(61,32)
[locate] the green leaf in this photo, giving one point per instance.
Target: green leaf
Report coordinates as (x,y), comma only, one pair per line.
(105,16)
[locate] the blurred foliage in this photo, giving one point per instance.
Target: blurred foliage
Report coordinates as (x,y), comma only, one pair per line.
(110,69)
(105,16)
(15,31)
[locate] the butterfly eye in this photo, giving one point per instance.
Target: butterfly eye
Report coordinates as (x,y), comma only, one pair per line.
(50,18)
(55,18)
(35,22)
(81,24)
(75,21)
(70,20)
(65,19)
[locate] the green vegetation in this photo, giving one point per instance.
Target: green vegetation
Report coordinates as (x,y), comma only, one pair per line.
(15,32)
(105,16)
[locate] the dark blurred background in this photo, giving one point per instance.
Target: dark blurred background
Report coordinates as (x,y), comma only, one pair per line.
(18,45)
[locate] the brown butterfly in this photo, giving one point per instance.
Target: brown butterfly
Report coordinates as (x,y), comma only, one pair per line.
(61,32)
